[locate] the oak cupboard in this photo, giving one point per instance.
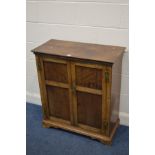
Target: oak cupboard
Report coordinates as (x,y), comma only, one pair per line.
(80,87)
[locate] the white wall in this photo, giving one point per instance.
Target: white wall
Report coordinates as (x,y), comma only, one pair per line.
(93,21)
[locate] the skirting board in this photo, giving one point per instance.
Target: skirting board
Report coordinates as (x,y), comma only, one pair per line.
(35,99)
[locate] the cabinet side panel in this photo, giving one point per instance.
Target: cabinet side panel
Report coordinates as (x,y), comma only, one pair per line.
(115,92)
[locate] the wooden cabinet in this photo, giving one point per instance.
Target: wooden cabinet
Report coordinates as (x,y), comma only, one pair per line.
(80,87)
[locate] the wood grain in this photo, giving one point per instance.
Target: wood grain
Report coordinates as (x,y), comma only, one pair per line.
(89,90)
(74,96)
(70,93)
(56,84)
(58,99)
(79,50)
(115,91)
(78,87)
(102,138)
(56,72)
(88,77)
(89,109)
(41,79)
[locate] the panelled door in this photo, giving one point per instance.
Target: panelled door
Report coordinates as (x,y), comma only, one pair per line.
(58,94)
(89,96)
(73,93)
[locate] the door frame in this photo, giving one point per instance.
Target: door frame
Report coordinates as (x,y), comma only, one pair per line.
(43,83)
(105,92)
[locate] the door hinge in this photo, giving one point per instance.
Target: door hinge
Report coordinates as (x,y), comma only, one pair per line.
(106,76)
(39,65)
(105,125)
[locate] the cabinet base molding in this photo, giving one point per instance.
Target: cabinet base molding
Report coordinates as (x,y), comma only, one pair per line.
(98,136)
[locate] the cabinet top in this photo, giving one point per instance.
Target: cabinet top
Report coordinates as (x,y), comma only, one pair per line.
(88,51)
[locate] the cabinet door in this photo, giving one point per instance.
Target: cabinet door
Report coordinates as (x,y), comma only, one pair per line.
(88,85)
(57,79)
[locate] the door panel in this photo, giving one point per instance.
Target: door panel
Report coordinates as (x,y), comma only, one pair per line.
(58,89)
(89,109)
(75,92)
(88,103)
(58,99)
(88,77)
(56,72)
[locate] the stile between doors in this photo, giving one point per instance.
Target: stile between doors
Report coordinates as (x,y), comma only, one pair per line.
(75,93)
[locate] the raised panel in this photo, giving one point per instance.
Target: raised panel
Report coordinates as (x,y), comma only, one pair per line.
(89,109)
(55,71)
(58,101)
(88,77)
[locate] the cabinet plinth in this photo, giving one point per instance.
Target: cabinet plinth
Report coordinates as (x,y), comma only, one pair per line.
(80,87)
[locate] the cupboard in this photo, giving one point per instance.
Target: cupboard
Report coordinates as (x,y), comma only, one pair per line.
(80,87)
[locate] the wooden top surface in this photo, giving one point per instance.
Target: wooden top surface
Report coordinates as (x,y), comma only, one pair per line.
(88,51)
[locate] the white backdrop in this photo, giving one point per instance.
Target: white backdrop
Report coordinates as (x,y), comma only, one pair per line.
(93,21)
